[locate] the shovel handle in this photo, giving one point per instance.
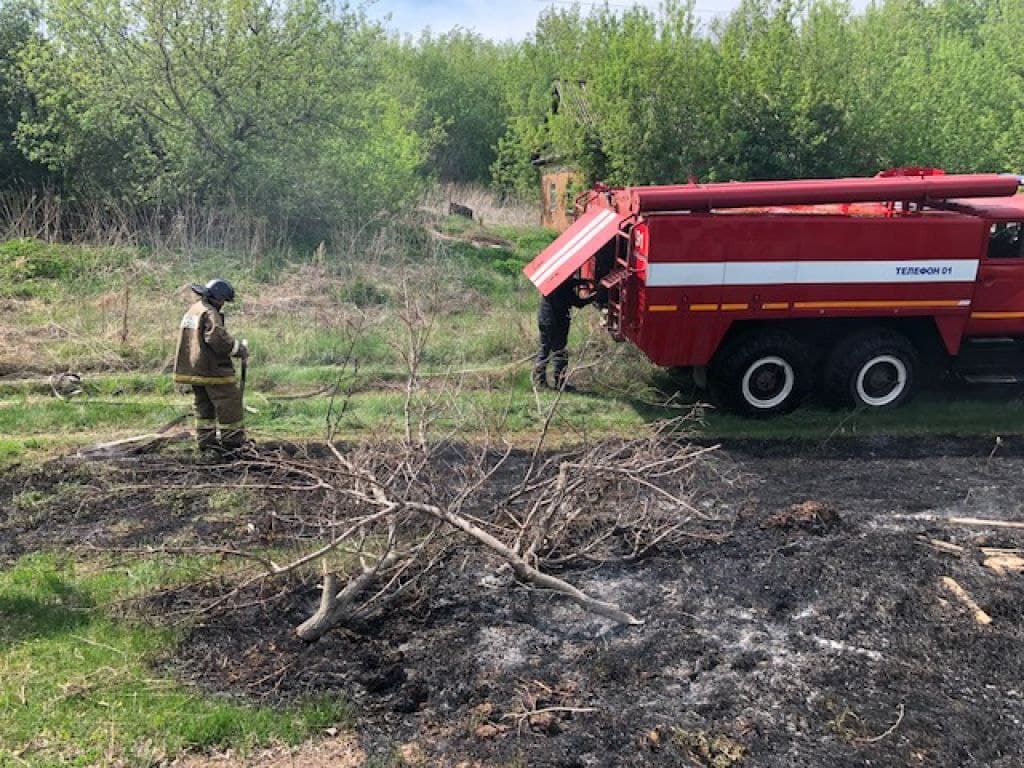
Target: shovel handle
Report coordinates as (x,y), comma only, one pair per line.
(245,364)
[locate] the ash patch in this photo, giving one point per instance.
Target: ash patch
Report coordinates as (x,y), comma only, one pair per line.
(71,503)
(826,647)
(780,646)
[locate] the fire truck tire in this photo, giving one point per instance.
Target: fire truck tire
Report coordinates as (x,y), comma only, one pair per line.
(763,374)
(874,368)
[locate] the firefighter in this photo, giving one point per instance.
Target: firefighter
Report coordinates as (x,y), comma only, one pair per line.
(553,320)
(203,360)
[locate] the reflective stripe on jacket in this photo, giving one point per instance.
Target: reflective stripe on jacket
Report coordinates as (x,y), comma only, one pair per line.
(205,348)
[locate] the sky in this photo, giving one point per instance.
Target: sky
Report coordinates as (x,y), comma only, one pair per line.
(497,19)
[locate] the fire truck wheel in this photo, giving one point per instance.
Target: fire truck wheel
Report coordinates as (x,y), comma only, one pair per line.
(872,369)
(761,375)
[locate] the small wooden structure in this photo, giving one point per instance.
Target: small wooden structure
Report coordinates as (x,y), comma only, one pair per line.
(558,186)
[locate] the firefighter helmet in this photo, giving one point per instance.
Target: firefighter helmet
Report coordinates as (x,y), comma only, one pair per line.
(217,289)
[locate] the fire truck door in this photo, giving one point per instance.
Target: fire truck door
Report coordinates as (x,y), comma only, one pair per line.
(998,306)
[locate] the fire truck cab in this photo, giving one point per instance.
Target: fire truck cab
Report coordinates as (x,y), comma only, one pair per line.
(770,290)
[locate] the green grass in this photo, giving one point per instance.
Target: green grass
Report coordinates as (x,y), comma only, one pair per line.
(30,268)
(25,416)
(501,402)
(934,413)
(296,316)
(78,685)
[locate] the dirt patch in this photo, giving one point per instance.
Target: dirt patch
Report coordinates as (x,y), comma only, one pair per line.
(333,752)
(809,516)
(835,645)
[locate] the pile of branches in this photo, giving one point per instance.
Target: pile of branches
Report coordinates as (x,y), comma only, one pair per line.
(381,522)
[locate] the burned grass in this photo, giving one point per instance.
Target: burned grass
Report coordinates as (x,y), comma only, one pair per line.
(803,638)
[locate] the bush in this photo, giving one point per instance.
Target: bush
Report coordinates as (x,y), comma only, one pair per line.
(364,294)
(22,260)
(27,266)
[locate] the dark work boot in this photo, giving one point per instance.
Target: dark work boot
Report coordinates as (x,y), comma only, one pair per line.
(561,365)
(233,444)
(540,378)
(562,384)
(207,445)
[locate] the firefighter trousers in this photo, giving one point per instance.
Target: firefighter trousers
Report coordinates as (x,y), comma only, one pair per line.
(552,348)
(218,405)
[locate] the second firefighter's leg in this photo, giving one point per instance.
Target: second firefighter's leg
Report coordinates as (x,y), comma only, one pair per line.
(559,353)
(227,398)
(540,365)
(206,419)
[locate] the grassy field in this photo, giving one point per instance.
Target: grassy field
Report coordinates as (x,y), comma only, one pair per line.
(331,334)
(324,322)
(321,322)
(77,685)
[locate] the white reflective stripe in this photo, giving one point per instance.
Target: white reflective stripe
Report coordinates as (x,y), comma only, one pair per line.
(234,349)
(571,248)
(808,272)
(690,273)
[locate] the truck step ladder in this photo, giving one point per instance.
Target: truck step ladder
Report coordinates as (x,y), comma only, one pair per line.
(614,282)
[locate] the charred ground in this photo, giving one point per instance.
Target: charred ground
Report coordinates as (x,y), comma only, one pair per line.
(816,641)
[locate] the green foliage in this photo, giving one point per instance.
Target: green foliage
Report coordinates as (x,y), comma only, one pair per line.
(79,686)
(18,23)
(310,116)
(31,259)
(284,108)
(364,293)
(30,267)
(778,89)
(459,78)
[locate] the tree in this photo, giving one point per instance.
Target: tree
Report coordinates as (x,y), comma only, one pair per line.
(18,23)
(460,82)
(283,107)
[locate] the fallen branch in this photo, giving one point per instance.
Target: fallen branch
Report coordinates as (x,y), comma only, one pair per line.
(887,731)
(964,597)
(519,716)
(1002,564)
(945,547)
(954,549)
(528,573)
(134,446)
(984,522)
(334,604)
(131,446)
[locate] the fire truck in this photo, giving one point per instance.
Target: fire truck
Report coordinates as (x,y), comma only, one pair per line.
(856,288)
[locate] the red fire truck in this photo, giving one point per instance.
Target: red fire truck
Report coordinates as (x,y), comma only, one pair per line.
(768,290)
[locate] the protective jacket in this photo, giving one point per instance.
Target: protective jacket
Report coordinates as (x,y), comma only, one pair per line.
(205,347)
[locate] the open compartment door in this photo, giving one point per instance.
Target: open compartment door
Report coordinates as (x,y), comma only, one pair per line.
(570,251)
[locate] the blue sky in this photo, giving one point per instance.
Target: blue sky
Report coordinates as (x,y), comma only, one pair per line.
(496,19)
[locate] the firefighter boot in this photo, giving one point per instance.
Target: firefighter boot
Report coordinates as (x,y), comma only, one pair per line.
(563,385)
(540,378)
(206,437)
(233,443)
(540,365)
(561,363)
